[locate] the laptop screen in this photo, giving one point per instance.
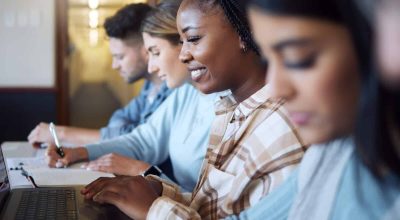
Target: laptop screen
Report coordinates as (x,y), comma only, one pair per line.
(4,183)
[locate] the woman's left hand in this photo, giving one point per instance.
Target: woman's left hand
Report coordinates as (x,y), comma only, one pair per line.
(132,195)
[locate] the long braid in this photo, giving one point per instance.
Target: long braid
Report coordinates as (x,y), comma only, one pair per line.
(237,17)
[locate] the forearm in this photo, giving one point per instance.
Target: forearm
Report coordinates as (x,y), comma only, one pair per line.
(144,143)
(78,136)
(80,154)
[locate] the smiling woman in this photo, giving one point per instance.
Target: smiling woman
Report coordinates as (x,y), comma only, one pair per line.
(219,54)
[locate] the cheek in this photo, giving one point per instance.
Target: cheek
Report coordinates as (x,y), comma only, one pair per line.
(126,62)
(169,63)
(338,94)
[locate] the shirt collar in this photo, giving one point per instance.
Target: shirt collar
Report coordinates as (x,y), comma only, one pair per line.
(245,108)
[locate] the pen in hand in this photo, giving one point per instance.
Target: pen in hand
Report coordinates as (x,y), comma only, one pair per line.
(54,134)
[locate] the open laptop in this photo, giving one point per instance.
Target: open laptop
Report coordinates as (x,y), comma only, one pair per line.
(49,202)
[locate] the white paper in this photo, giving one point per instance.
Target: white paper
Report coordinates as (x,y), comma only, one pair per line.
(64,176)
(46,176)
(26,162)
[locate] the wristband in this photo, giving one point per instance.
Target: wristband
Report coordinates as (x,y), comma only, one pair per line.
(153,170)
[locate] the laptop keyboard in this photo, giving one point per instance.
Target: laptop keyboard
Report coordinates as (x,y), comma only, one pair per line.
(47,204)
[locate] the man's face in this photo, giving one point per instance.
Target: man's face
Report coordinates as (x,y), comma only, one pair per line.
(129,58)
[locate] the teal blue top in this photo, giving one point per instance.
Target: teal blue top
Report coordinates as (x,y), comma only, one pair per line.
(361,196)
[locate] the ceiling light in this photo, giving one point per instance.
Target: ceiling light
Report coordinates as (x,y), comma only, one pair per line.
(93,4)
(93,18)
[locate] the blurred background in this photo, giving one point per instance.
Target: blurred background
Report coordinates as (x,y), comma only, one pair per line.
(55,65)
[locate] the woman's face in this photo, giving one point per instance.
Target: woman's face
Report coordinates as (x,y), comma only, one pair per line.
(313,66)
(210,48)
(164,61)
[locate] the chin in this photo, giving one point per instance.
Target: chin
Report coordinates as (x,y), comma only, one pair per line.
(313,137)
(205,89)
(172,85)
(133,79)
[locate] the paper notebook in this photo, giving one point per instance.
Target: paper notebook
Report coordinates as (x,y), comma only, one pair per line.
(45,176)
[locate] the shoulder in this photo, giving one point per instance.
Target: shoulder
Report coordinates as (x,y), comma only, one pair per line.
(185,91)
(361,193)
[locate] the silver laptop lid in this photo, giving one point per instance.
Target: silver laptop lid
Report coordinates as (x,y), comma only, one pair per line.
(4,183)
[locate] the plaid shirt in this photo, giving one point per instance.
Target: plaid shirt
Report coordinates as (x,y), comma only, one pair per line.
(253,148)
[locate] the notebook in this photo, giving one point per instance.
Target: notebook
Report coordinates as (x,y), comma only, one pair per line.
(39,170)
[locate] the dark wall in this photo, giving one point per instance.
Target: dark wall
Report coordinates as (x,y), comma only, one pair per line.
(20,112)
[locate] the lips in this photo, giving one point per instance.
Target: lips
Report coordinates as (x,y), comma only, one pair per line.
(197,73)
(300,118)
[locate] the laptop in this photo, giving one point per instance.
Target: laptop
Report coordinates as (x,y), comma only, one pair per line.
(49,202)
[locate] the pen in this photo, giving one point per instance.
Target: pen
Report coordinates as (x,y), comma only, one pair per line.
(54,134)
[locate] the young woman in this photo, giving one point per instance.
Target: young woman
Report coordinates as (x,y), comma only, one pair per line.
(252,146)
(319,54)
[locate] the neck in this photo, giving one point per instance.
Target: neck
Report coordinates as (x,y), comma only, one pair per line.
(253,81)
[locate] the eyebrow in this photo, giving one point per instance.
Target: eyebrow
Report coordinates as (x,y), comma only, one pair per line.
(291,43)
(186,29)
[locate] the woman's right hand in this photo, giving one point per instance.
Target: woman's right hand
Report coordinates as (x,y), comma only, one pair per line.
(71,155)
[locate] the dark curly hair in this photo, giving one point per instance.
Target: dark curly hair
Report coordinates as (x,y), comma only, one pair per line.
(126,23)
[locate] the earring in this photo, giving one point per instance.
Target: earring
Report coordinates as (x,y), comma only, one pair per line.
(243,47)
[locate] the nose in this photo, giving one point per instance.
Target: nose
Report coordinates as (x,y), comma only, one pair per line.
(152,68)
(279,82)
(185,56)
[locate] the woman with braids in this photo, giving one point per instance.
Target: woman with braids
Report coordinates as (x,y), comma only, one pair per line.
(320,61)
(252,149)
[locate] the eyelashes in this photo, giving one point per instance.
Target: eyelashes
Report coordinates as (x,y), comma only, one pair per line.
(302,64)
(193,39)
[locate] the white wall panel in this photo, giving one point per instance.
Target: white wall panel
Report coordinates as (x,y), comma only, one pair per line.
(27,43)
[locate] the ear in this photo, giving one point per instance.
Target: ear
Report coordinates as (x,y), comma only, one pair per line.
(143,52)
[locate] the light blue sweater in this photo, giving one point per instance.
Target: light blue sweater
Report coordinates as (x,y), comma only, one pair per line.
(179,128)
(362,196)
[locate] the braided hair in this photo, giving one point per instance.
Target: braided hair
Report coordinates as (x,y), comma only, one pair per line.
(236,14)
